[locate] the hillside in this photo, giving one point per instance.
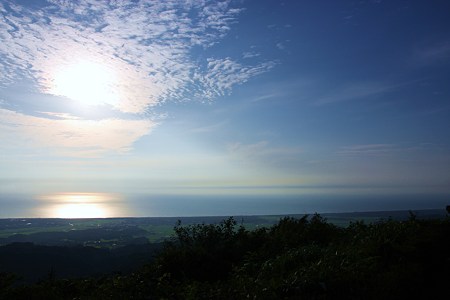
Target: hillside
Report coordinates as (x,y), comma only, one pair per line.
(307,258)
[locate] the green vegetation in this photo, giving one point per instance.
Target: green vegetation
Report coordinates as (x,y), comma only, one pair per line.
(60,232)
(157,233)
(303,258)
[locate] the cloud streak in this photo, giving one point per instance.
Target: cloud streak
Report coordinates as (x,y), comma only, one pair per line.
(359,91)
(72,137)
(262,151)
(368,150)
(433,55)
(373,150)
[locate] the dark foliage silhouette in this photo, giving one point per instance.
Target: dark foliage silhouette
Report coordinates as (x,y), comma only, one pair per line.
(304,258)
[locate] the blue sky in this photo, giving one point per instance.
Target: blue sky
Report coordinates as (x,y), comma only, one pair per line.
(223,98)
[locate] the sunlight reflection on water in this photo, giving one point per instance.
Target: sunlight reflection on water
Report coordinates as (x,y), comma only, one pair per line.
(106,205)
(82,205)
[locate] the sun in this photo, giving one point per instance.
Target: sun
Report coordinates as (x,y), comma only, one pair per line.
(86,82)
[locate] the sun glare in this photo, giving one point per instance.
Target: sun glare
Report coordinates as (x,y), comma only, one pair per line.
(80,210)
(81,205)
(86,82)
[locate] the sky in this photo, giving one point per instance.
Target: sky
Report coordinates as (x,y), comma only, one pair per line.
(224,99)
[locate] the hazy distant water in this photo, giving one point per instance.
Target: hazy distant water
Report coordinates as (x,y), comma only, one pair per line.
(106,205)
(269,205)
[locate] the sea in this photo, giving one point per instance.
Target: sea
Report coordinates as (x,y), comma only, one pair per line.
(105,205)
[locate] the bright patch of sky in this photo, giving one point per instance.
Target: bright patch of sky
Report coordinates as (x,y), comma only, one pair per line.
(225,97)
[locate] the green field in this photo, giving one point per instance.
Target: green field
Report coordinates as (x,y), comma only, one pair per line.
(117,232)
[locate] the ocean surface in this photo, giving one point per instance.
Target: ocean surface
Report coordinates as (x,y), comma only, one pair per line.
(103,205)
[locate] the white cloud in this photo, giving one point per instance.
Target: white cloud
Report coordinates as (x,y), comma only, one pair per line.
(72,137)
(281,46)
(147,46)
(250,54)
(223,74)
(64,116)
(146,43)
